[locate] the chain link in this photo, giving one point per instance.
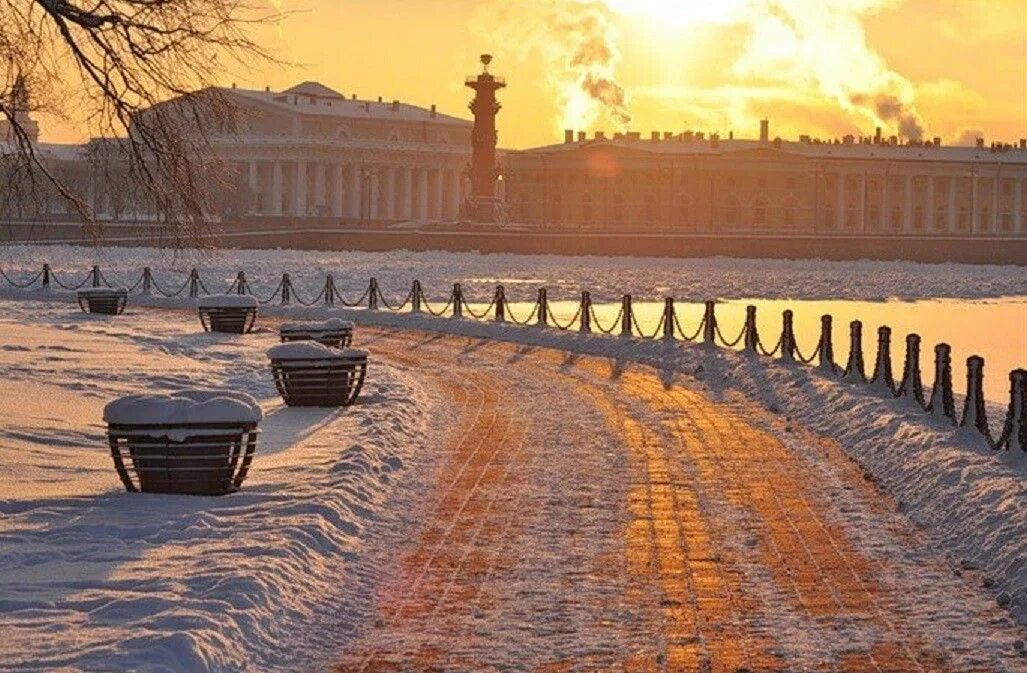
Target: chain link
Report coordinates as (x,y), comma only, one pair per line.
(89,277)
(725,342)
(32,282)
(681,332)
(638,328)
(513,318)
(556,323)
(771,353)
(599,326)
(482,315)
(395,309)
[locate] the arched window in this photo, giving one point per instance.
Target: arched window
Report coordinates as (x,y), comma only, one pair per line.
(618,208)
(759,212)
(684,210)
(731,211)
(587,210)
(788,215)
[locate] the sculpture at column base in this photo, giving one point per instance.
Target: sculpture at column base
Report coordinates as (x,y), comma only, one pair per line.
(486,209)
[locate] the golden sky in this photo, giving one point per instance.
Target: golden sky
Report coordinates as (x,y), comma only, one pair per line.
(822,67)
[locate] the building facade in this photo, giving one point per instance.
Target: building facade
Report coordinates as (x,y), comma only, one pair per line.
(690,183)
(311,152)
(307,152)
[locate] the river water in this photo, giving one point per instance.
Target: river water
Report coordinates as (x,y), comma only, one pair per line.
(995,329)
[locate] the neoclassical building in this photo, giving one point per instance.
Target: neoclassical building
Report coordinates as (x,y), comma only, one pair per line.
(694,183)
(311,152)
(306,152)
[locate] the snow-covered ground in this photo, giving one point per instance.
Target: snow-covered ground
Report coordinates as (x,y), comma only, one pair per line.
(607,278)
(95,579)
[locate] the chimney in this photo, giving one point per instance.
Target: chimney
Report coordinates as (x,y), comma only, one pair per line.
(668,135)
(655,136)
(764,130)
(600,135)
(379,99)
(937,141)
(233,85)
(395,106)
(267,89)
(354,96)
(568,136)
(980,143)
(777,142)
(1023,143)
(730,135)
(877,136)
(434,111)
(715,140)
(582,136)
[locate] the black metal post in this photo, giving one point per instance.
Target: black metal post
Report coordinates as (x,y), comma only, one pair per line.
(500,304)
(626,318)
(194,283)
(372,295)
(286,289)
(241,283)
(147,281)
(827,343)
(586,312)
(329,290)
(710,325)
(751,331)
(46,276)
(855,369)
(1017,438)
(882,365)
(787,336)
(458,301)
(911,378)
(96,276)
(942,404)
(415,297)
(975,414)
(543,307)
(668,319)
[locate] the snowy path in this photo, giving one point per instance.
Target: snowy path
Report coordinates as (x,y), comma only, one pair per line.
(595,515)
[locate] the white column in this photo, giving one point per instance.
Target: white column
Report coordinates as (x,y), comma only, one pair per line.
(908,215)
(953,184)
(406,201)
(336,178)
(320,180)
(454,194)
(843,211)
(929,210)
(374,212)
(254,185)
(422,194)
(389,210)
(276,188)
(439,195)
(300,204)
(354,191)
(1018,223)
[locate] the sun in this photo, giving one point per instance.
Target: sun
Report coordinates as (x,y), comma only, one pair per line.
(680,13)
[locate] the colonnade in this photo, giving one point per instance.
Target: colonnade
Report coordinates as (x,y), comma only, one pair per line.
(356,191)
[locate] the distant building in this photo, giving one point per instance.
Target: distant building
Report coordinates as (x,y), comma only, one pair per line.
(692,183)
(309,151)
(306,152)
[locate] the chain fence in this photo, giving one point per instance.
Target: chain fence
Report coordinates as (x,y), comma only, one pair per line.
(939,403)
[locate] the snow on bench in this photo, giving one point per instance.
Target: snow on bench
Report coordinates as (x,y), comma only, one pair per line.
(310,374)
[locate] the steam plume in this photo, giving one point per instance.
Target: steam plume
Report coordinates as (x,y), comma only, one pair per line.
(578,42)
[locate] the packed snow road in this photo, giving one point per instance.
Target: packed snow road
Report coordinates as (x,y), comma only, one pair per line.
(597,515)
(488,506)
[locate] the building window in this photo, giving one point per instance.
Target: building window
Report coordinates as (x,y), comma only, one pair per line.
(918,217)
(1006,222)
(827,217)
(684,210)
(759,213)
(896,218)
(985,220)
(731,212)
(941,220)
(788,215)
(618,208)
(874,218)
(587,211)
(963,219)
